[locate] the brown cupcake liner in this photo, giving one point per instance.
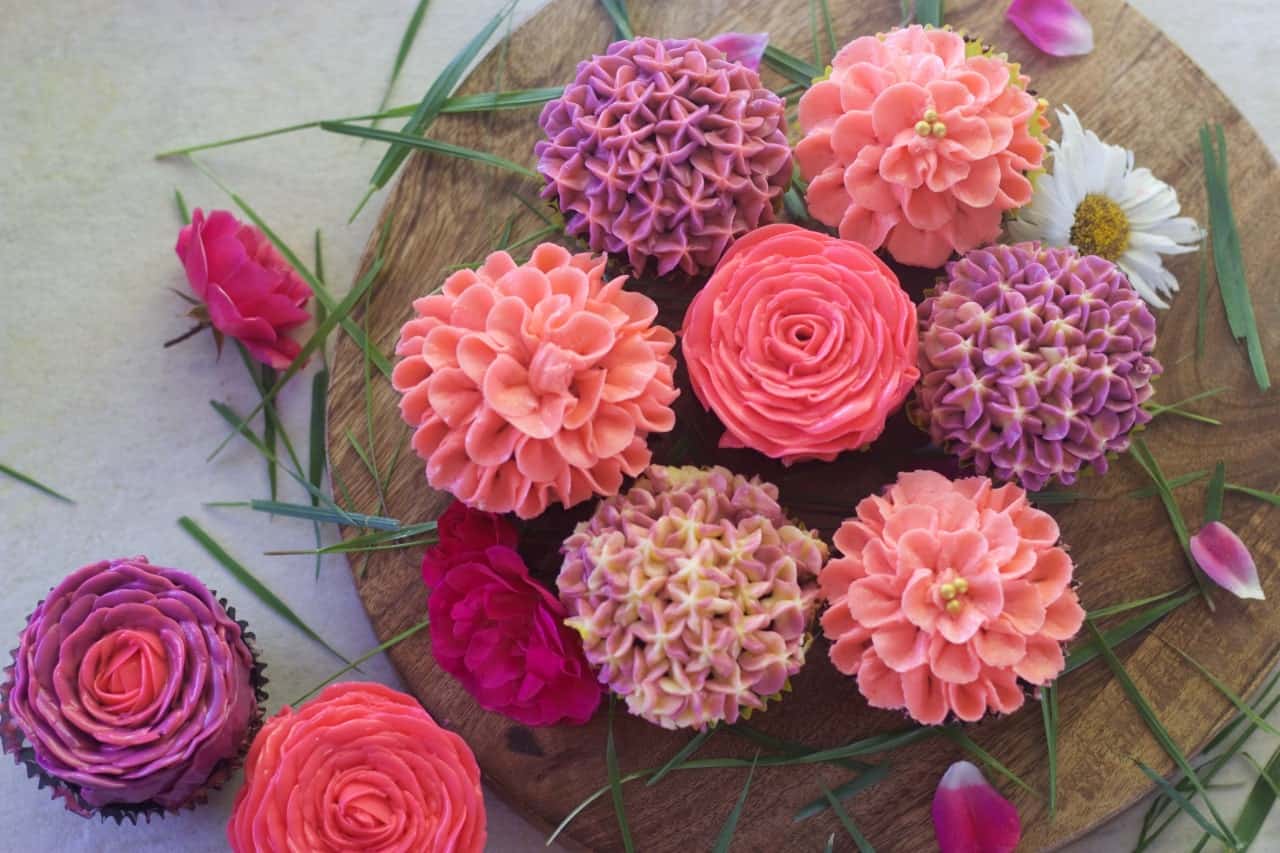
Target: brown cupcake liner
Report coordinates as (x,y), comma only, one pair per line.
(13,741)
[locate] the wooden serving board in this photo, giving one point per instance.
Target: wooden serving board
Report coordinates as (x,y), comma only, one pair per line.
(1136,88)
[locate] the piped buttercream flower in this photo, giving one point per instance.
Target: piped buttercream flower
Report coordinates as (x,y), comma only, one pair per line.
(693,593)
(535,383)
(1094,199)
(948,592)
(801,343)
(919,142)
(135,688)
(664,151)
(360,767)
(1035,362)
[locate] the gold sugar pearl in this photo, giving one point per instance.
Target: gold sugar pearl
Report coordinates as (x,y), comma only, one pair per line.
(954,606)
(947,591)
(939,129)
(923,128)
(962,585)
(931,115)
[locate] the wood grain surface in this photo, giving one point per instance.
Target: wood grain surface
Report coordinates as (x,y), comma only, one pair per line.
(1136,88)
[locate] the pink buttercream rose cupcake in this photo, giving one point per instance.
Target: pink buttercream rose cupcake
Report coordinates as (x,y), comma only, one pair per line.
(802,344)
(948,593)
(537,383)
(919,142)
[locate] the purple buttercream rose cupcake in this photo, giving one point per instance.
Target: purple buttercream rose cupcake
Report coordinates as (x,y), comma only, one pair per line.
(133,691)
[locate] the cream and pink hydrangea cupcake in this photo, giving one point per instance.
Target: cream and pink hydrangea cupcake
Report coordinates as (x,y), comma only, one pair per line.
(949,596)
(693,593)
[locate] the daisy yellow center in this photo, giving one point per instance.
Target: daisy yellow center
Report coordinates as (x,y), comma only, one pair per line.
(1100,228)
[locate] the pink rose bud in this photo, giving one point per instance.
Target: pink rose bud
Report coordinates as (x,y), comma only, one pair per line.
(248,290)
(744,48)
(969,816)
(1055,26)
(1226,560)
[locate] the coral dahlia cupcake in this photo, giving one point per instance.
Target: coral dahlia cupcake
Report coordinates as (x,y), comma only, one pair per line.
(665,151)
(919,142)
(946,594)
(693,593)
(801,343)
(133,691)
(1035,362)
(532,384)
(360,767)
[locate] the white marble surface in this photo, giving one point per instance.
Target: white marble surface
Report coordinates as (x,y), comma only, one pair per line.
(91,404)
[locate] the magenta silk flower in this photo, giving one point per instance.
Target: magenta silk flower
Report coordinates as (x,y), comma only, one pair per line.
(745,48)
(249,291)
(500,633)
(1055,26)
(969,816)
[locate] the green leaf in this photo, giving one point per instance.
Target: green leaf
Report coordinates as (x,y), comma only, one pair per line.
(813,34)
(1202,298)
(1049,711)
(1158,730)
(831,35)
(725,838)
(311,513)
(872,776)
(1124,607)
(847,822)
(33,483)
(430,105)
(402,53)
(1242,706)
(793,68)
(483,102)
(615,783)
(245,577)
(1083,653)
(1228,258)
(1269,497)
(1180,801)
(355,664)
(181,204)
(1049,497)
(378,539)
(1175,483)
(432,145)
(1213,500)
(621,21)
(985,757)
(929,12)
(316,460)
(694,744)
(1138,449)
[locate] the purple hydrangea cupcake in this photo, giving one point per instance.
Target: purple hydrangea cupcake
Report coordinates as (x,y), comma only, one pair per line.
(664,150)
(1035,362)
(133,691)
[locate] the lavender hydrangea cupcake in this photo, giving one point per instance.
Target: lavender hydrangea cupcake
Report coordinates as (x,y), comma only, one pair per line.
(1035,362)
(133,691)
(693,593)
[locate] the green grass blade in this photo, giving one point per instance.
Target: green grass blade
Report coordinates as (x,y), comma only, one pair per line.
(402,53)
(1138,450)
(844,791)
(832,49)
(725,838)
(694,744)
(591,798)
(432,102)
(1083,653)
(793,68)
(355,664)
(1202,299)
(985,757)
(245,577)
(1049,712)
(816,46)
(33,483)
(1213,500)
(1158,731)
(327,516)
(615,783)
(864,846)
(1181,801)
(315,449)
(831,843)
(1269,497)
(621,21)
(1175,483)
(484,102)
(1049,497)
(432,145)
(1242,706)
(181,203)
(1124,607)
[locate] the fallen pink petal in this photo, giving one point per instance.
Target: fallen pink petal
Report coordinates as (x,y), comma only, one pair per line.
(1055,26)
(1226,560)
(746,48)
(970,816)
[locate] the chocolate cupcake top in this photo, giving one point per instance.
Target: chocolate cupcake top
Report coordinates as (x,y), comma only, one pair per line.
(132,684)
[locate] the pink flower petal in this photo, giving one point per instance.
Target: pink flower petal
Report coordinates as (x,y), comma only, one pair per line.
(744,48)
(969,816)
(1055,26)
(1226,560)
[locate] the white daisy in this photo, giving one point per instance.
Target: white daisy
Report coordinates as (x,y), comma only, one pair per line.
(1097,202)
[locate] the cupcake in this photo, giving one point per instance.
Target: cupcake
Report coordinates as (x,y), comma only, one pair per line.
(533,384)
(693,593)
(1035,363)
(948,597)
(664,151)
(919,142)
(133,691)
(360,767)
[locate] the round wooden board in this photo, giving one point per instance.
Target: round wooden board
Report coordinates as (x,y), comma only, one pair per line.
(1136,88)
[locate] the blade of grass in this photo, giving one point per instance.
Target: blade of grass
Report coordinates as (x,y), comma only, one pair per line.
(929,12)
(1202,298)
(316,461)
(813,34)
(1242,706)
(1049,711)
(1087,651)
(615,783)
(621,21)
(1213,499)
(1158,731)
(1138,449)
(1124,607)
(355,664)
(831,34)
(181,203)
(368,464)
(725,838)
(432,145)
(1269,497)
(395,546)
(402,53)
(864,846)
(1175,483)
(1181,801)
(311,513)
(1194,398)
(694,744)
(430,105)
(793,68)
(985,757)
(377,538)
(861,782)
(1191,416)
(1049,497)
(831,843)
(259,589)
(33,483)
